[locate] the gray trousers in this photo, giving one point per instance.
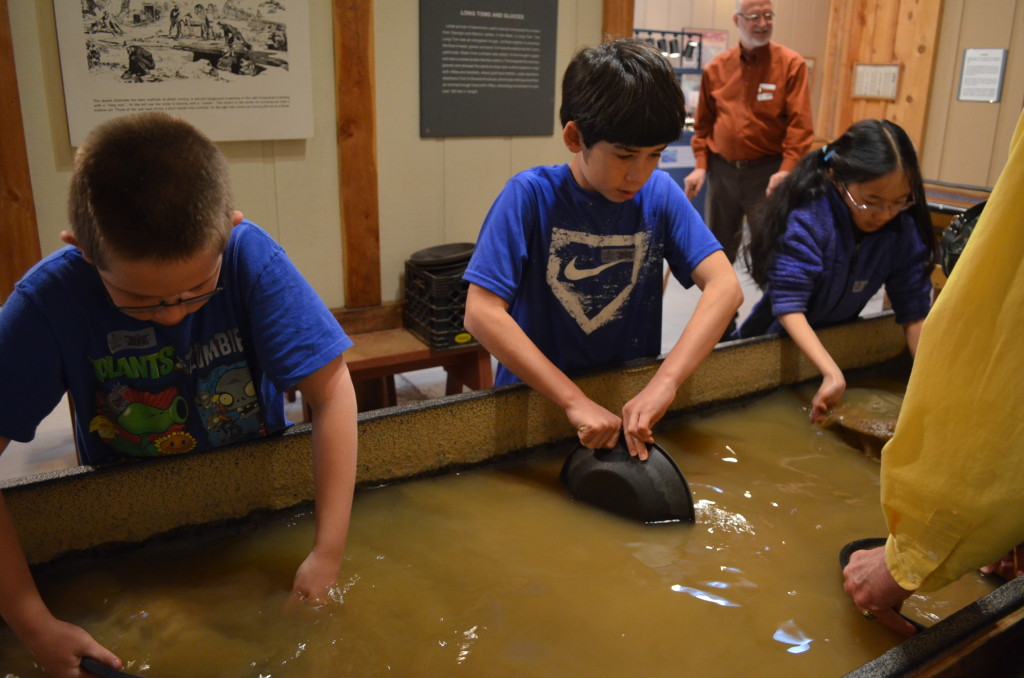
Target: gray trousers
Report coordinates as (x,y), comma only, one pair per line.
(735,191)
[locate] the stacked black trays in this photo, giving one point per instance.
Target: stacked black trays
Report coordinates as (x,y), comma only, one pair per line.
(435,295)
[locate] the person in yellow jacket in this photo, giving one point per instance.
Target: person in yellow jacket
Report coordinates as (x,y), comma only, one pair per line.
(951,477)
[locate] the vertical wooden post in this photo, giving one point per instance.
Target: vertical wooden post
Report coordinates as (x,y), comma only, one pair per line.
(617,19)
(17,209)
(357,151)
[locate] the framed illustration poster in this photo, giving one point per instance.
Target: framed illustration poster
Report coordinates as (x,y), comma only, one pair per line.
(237,70)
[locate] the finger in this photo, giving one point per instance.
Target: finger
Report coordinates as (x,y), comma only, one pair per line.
(631,445)
(895,621)
(105,657)
(642,450)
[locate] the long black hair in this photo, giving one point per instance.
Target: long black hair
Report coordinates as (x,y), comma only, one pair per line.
(869,149)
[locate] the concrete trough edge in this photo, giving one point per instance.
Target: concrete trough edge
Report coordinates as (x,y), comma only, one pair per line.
(82,508)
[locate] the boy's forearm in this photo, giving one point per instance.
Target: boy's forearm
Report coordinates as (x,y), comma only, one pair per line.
(499,333)
(335,443)
(718,303)
(21,606)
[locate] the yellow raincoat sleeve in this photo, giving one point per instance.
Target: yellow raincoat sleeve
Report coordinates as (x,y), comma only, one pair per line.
(953,474)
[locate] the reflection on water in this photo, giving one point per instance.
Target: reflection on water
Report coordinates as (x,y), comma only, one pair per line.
(497,573)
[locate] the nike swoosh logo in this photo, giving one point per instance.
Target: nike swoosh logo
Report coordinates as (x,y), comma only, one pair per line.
(573,273)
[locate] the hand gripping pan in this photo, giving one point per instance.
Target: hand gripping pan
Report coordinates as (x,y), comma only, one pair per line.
(652,491)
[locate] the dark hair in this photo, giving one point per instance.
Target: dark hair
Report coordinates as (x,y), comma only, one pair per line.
(623,92)
(869,149)
(149,187)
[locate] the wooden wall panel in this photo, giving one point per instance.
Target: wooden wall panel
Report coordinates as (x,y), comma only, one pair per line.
(20,249)
(879,32)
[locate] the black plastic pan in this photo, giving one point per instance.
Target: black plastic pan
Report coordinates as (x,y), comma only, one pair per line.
(652,491)
(98,668)
(868,544)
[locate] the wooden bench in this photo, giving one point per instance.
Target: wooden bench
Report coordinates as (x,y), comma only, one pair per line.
(376,357)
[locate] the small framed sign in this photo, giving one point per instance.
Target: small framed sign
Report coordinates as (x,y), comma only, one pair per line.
(981,77)
(876,81)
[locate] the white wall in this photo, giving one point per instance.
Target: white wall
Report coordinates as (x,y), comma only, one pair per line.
(431,190)
(968,141)
(434,191)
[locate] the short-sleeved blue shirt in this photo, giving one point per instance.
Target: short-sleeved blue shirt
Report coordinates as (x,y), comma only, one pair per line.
(583,275)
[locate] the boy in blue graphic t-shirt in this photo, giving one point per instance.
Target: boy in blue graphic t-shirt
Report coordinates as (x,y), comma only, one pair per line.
(173,325)
(567,271)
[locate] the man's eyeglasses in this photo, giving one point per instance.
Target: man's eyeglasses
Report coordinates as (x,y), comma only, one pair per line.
(756,17)
(153,308)
(868,208)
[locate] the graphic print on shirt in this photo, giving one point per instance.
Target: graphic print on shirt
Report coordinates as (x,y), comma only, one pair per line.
(152,400)
(593,275)
(141,424)
(226,397)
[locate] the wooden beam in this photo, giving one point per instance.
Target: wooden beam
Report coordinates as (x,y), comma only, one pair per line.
(617,19)
(357,151)
(20,248)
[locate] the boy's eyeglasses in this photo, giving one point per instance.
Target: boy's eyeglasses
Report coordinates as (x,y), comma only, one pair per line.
(153,308)
(756,17)
(868,208)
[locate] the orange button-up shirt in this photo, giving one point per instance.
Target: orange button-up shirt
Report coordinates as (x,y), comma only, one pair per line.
(754,104)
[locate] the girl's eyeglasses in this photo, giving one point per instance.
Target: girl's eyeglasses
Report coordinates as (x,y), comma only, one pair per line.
(869,208)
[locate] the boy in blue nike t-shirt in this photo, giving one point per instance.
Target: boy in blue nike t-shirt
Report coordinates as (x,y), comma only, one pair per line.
(567,271)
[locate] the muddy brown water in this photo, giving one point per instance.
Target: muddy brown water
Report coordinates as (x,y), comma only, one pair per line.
(496,572)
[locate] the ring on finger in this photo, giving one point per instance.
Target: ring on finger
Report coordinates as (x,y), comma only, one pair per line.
(868,614)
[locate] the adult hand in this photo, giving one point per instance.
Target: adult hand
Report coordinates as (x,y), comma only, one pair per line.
(641,413)
(829,393)
(694,181)
(59,647)
(874,591)
(1009,566)
(596,427)
(774,180)
(315,577)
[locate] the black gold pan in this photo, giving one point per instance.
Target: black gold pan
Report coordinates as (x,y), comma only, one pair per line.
(869,543)
(98,668)
(651,491)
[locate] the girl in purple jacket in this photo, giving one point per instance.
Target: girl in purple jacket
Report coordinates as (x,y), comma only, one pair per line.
(850,218)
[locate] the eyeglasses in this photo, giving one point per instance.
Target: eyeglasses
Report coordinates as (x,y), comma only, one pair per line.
(756,17)
(868,208)
(153,308)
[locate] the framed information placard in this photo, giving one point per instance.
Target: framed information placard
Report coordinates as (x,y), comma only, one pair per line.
(487,68)
(981,77)
(876,81)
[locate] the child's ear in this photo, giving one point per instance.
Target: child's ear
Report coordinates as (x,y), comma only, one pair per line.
(572,137)
(68,238)
(236,218)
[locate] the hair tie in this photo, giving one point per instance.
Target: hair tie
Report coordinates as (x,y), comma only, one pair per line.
(827,154)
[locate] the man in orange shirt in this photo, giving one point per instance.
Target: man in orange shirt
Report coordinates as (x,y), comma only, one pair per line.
(753,124)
